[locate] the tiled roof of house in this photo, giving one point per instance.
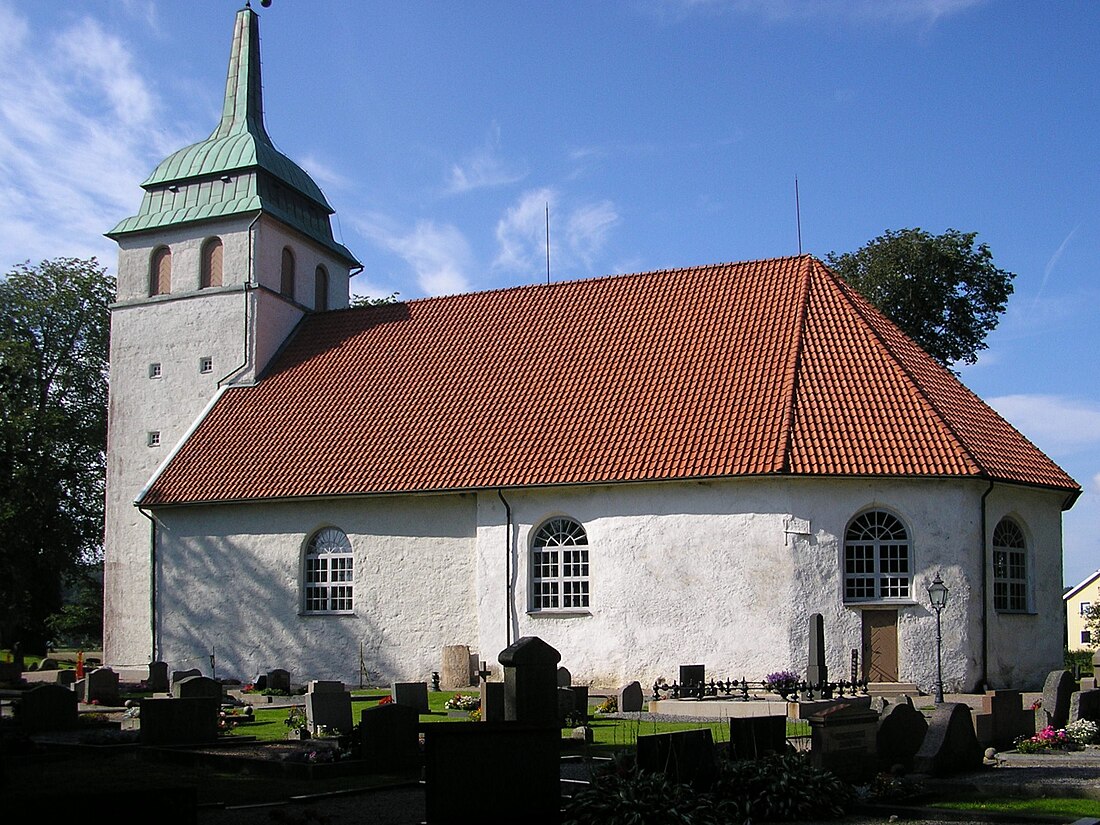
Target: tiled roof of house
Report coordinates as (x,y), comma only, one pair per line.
(751,369)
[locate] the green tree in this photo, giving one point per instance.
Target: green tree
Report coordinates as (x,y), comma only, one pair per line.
(1091,615)
(942,290)
(54,333)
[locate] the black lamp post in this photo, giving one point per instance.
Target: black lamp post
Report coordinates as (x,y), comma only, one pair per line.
(937,596)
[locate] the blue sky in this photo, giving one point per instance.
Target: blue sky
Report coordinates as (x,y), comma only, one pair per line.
(658,133)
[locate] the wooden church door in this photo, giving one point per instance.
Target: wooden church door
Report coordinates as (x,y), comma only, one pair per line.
(880,645)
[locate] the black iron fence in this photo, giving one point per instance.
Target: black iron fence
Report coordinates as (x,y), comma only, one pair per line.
(745,690)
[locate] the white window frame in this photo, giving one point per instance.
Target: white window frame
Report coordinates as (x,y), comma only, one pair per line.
(328,574)
(1009,567)
(560,571)
(877,559)
(1085,607)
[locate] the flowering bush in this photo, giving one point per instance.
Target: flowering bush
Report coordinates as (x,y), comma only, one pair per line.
(608,705)
(1048,739)
(463,701)
(1082,731)
(781,680)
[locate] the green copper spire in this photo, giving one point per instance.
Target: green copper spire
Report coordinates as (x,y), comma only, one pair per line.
(237,169)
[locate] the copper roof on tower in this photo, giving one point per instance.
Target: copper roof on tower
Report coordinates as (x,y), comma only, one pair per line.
(762,368)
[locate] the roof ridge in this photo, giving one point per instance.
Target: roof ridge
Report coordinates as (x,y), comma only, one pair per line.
(795,366)
(861,307)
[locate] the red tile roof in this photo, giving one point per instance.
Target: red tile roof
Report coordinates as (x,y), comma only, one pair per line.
(757,368)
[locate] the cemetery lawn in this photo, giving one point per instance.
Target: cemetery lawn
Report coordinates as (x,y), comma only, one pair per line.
(1070,808)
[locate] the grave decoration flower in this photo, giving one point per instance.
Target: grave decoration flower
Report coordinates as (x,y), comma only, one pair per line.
(782,681)
(608,705)
(1048,739)
(1082,731)
(385,700)
(463,701)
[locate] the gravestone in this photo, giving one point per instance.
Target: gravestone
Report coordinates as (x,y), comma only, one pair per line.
(278,679)
(950,746)
(492,701)
(455,670)
(182,674)
(1084,704)
(1054,710)
(166,722)
(1003,719)
(901,731)
(567,705)
(842,741)
(520,762)
(631,699)
(530,682)
(684,756)
(390,738)
(198,687)
(328,706)
(565,678)
(754,736)
(411,694)
(692,677)
(101,687)
(580,706)
(47,707)
(816,671)
(47,663)
(158,677)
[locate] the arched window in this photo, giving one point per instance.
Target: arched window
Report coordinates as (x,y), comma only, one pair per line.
(328,573)
(559,566)
(286,281)
(1009,567)
(211,264)
(320,293)
(876,558)
(160,271)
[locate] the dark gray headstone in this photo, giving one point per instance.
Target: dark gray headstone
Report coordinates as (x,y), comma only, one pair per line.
(565,678)
(580,707)
(411,694)
(158,677)
(391,738)
(1054,710)
(567,705)
(521,762)
(1003,719)
(48,663)
(198,687)
(631,699)
(101,687)
(278,679)
(330,710)
(816,671)
(691,678)
(182,674)
(530,682)
(901,731)
(842,741)
(166,722)
(492,701)
(950,746)
(45,707)
(685,756)
(754,736)
(1084,704)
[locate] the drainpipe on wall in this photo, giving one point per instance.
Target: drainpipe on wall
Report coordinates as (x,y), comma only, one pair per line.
(507,569)
(983,684)
(249,284)
(152,584)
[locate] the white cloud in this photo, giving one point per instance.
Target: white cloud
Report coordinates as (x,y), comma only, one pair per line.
(484,168)
(853,11)
(438,254)
(522,233)
(79,130)
(1054,423)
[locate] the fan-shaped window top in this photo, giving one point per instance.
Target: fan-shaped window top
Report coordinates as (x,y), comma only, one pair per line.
(559,566)
(876,558)
(328,573)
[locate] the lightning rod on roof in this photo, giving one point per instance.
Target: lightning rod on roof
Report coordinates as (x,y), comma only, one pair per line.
(548,243)
(797,215)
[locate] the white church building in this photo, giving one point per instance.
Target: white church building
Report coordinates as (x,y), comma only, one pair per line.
(643,470)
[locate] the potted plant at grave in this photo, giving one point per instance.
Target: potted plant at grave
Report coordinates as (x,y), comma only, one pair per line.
(297,726)
(462,704)
(783,682)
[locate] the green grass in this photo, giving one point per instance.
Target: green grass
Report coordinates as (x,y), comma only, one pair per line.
(1051,806)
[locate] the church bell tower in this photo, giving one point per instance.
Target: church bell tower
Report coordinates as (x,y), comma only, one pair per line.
(231,247)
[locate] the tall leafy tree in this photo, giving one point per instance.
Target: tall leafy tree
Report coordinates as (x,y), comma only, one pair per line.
(944,291)
(54,333)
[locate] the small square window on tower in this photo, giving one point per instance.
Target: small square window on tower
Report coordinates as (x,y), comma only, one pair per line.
(154,370)
(206,364)
(152,438)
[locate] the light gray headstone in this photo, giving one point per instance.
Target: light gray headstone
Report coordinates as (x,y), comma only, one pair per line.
(454,673)
(177,675)
(1084,704)
(330,710)
(321,686)
(1054,710)
(198,687)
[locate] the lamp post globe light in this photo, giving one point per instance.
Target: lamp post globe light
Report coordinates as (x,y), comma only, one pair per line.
(937,597)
